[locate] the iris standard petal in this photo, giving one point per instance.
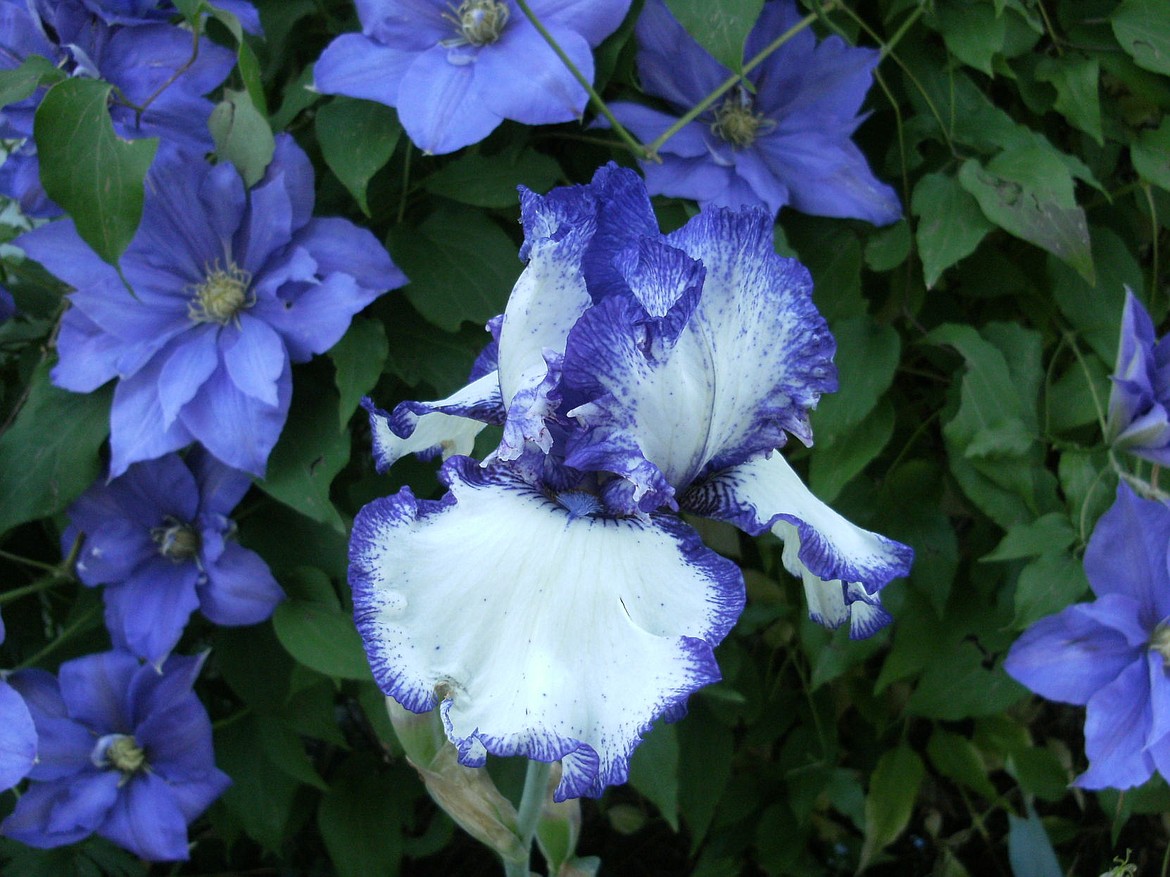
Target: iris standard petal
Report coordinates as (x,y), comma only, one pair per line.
(1117,723)
(18,737)
(357,66)
(239,588)
(1127,554)
(542,631)
(1071,655)
(440,105)
(447,427)
(832,553)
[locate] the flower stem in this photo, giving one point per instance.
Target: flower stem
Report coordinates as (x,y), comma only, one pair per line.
(42,584)
(78,625)
(531,806)
(594,97)
(731,81)
(28,561)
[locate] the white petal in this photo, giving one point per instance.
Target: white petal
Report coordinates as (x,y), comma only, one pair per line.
(545,632)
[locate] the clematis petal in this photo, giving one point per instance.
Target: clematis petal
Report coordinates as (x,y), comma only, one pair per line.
(440,106)
(829,553)
(89,355)
(1117,723)
(220,486)
(448,426)
(1127,554)
(1071,655)
(94,687)
(671,65)
(147,613)
(135,419)
(530,84)
(1158,741)
(648,124)
(146,819)
(28,822)
(239,588)
(185,368)
(87,799)
(724,373)
(542,631)
(357,66)
(113,551)
(18,737)
(592,19)
(254,357)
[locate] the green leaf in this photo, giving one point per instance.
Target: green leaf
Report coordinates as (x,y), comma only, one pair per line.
(260,798)
(49,454)
(96,176)
(1075,80)
(321,638)
(890,801)
(1039,772)
(957,758)
(17,84)
(1029,849)
(1050,532)
(360,819)
(461,267)
(957,685)
(654,771)
(1151,155)
(283,748)
(867,355)
(358,359)
(1028,192)
(357,138)
(490,181)
(720,28)
(974,32)
(242,135)
(311,451)
(1143,29)
(253,663)
(1046,585)
(887,248)
(834,464)
(705,746)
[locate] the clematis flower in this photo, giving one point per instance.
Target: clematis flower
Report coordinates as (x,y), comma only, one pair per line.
(781,139)
(456,71)
(230,287)
(125,754)
(1112,656)
(553,604)
(1139,421)
(160,540)
(160,80)
(7,309)
(18,734)
(134,12)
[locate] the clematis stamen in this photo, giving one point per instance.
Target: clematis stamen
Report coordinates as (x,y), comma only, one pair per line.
(737,123)
(222,295)
(1160,641)
(477,22)
(120,752)
(177,540)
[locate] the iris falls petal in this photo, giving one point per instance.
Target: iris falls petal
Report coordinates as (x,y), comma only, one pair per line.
(538,628)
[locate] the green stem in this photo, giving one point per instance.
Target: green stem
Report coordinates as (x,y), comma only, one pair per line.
(68,632)
(730,82)
(636,147)
(43,584)
(28,561)
(531,806)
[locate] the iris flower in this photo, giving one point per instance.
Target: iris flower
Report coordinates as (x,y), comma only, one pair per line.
(553,604)
(781,138)
(230,287)
(455,71)
(1112,656)
(18,734)
(1139,421)
(125,753)
(159,538)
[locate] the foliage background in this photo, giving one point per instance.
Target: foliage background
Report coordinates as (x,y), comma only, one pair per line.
(1030,142)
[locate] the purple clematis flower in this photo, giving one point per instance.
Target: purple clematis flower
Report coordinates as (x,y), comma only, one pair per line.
(230,287)
(18,733)
(1139,419)
(160,80)
(635,375)
(125,753)
(133,12)
(455,71)
(7,311)
(785,140)
(159,538)
(1112,656)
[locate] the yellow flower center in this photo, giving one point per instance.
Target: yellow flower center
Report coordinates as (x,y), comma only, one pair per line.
(121,752)
(736,123)
(479,22)
(1160,642)
(176,540)
(221,296)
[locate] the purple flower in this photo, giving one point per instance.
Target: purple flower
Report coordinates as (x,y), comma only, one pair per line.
(18,733)
(783,141)
(455,71)
(7,311)
(552,604)
(132,12)
(151,65)
(125,753)
(229,287)
(1112,656)
(159,538)
(1139,421)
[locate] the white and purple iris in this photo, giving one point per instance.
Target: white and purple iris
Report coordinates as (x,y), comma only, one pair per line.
(1112,656)
(455,71)
(125,753)
(160,540)
(553,604)
(230,287)
(782,139)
